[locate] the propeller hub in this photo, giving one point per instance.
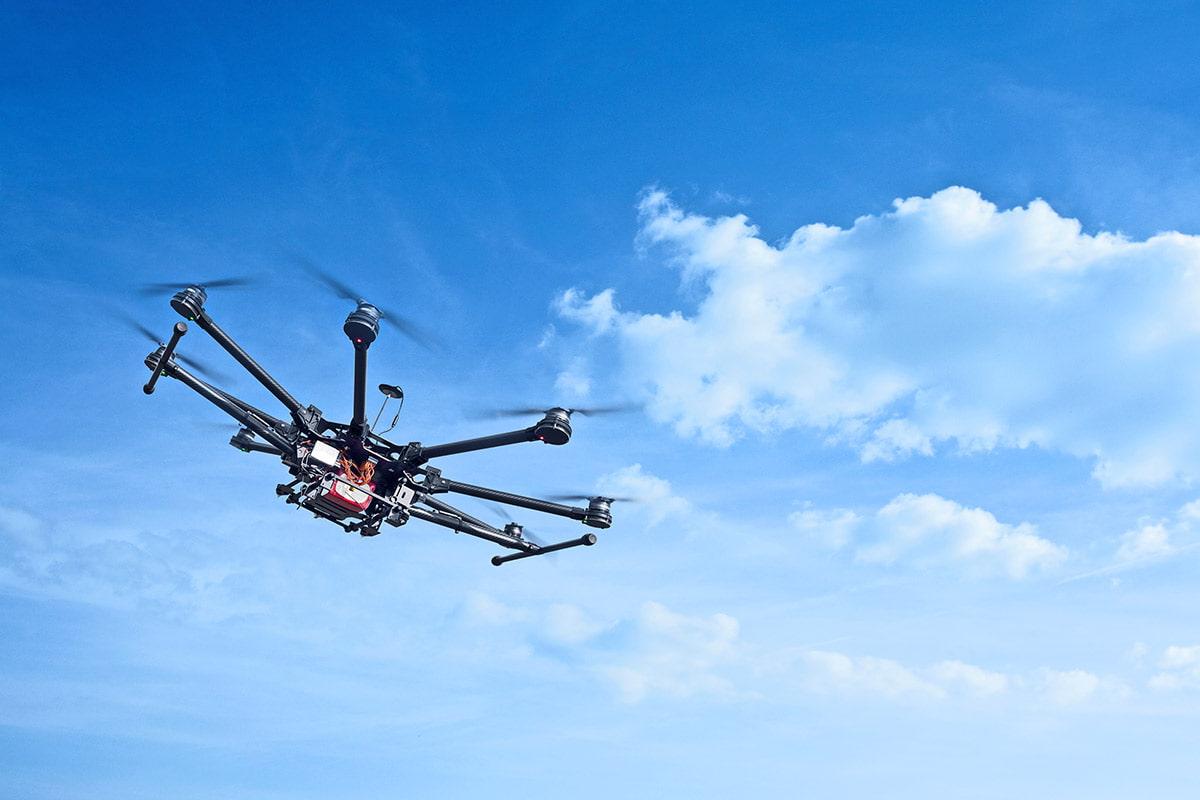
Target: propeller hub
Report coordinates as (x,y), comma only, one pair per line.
(151,359)
(555,427)
(189,302)
(599,512)
(362,326)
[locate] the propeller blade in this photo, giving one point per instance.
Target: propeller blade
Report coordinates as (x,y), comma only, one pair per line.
(144,331)
(498,510)
(588,497)
(225,283)
(538,540)
(175,286)
(596,411)
(405,326)
(412,330)
(509,412)
(201,368)
(502,512)
(231,427)
(593,411)
(333,284)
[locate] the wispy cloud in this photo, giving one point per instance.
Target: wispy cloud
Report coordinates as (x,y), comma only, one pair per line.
(1179,668)
(1151,542)
(657,653)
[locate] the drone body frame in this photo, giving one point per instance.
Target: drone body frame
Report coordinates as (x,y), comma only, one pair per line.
(334,465)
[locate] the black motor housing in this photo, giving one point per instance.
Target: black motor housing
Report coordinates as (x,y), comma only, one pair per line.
(555,427)
(189,303)
(362,326)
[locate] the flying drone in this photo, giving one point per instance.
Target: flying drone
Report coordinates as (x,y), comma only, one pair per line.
(347,473)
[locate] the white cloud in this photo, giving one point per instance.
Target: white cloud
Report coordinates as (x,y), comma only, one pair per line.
(1150,543)
(1177,657)
(1154,541)
(1069,687)
(929,530)
(483,609)
(574,381)
(838,672)
(1074,687)
(570,625)
(976,680)
(864,676)
(597,313)
(943,322)
(832,528)
(657,653)
(656,501)
(895,439)
(1179,668)
(675,655)
(1147,542)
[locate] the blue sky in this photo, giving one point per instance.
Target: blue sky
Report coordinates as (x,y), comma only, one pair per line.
(907,294)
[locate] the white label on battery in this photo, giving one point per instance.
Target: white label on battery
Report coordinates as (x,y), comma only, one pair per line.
(324,454)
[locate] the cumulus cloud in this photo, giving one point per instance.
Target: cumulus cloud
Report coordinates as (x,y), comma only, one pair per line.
(674,654)
(574,381)
(1160,539)
(975,680)
(832,528)
(945,322)
(657,501)
(929,530)
(838,672)
(1076,686)
(1179,668)
(1069,687)
(596,313)
(1147,542)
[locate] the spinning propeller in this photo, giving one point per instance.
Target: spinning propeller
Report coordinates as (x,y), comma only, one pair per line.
(567,498)
(502,512)
(397,321)
(594,411)
(149,289)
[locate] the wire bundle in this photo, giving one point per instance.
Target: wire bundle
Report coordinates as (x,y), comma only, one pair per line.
(357,473)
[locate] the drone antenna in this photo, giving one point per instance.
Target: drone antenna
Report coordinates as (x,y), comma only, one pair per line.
(389,392)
